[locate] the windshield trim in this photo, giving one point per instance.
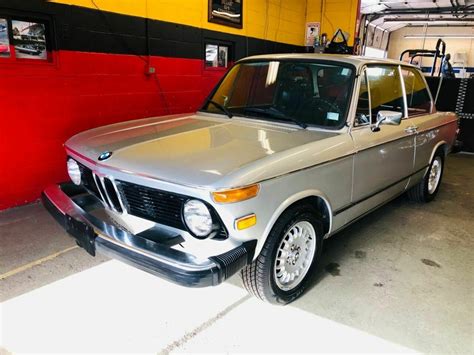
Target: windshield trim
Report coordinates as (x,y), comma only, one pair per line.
(271,123)
(299,60)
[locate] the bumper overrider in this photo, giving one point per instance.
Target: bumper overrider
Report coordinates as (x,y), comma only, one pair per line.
(70,206)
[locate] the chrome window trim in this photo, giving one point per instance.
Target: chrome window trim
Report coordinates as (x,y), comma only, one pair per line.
(370,96)
(364,73)
(404,92)
(417,72)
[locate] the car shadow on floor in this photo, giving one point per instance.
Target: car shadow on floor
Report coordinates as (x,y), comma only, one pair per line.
(400,273)
(337,247)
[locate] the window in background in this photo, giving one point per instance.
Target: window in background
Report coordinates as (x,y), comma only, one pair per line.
(375,52)
(217,56)
(29,40)
(4,40)
(418,98)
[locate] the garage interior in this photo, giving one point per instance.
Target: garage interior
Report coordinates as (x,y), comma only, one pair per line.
(400,279)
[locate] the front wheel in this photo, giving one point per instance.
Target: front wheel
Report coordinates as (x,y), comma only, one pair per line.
(427,189)
(283,268)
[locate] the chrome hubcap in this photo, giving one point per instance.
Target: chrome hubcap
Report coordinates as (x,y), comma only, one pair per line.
(434,175)
(295,255)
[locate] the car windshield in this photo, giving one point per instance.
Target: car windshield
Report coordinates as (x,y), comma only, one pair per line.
(301,92)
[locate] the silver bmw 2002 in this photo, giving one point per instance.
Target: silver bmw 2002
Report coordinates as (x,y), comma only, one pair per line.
(286,151)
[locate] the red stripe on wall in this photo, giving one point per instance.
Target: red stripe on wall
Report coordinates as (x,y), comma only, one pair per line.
(43,104)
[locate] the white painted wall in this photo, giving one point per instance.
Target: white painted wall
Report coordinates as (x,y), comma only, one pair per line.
(399,43)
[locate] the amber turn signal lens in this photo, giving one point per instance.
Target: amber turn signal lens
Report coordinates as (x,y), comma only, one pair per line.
(235,195)
(246,222)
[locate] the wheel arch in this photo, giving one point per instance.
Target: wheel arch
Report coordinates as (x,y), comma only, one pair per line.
(315,197)
(443,145)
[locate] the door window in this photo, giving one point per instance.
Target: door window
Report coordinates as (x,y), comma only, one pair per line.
(385,89)
(418,97)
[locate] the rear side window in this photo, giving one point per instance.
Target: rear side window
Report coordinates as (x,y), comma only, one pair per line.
(418,98)
(385,89)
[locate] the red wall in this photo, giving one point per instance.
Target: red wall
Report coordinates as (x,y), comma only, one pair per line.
(43,104)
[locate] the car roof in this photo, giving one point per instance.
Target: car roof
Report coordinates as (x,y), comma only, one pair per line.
(355,60)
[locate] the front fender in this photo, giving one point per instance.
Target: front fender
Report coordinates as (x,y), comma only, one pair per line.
(284,206)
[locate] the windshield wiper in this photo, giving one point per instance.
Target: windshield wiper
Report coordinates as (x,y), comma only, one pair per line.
(274,113)
(220,107)
(299,123)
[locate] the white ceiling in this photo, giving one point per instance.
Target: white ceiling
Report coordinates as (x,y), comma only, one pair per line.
(371,6)
(392,15)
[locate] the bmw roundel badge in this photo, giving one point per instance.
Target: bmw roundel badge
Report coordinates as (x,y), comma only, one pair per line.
(105,155)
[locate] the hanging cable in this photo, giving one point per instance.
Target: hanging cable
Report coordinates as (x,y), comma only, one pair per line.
(147,58)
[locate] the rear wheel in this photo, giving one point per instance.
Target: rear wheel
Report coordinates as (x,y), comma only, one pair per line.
(281,272)
(427,189)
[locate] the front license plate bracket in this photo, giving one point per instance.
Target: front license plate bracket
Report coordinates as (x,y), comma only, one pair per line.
(82,233)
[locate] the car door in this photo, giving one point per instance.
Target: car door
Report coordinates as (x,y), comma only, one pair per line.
(421,116)
(384,158)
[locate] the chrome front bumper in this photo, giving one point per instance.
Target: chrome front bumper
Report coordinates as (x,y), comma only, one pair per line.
(70,206)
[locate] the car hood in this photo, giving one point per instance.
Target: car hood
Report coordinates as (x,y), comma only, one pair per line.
(196,150)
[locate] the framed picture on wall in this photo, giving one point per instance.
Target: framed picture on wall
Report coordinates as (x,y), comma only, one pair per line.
(226,12)
(25,39)
(4,39)
(29,39)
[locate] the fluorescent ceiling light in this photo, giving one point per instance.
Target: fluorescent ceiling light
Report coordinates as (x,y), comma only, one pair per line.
(433,21)
(467,36)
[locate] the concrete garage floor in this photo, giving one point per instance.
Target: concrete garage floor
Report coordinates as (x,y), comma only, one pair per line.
(399,280)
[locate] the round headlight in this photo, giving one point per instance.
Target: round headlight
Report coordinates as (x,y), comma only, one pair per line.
(198,218)
(74,171)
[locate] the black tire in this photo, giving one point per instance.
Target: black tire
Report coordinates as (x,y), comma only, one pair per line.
(258,277)
(420,192)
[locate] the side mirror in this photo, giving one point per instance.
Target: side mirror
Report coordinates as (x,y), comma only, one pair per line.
(387,117)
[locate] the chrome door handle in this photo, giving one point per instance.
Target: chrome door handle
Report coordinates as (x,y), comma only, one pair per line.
(411,129)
